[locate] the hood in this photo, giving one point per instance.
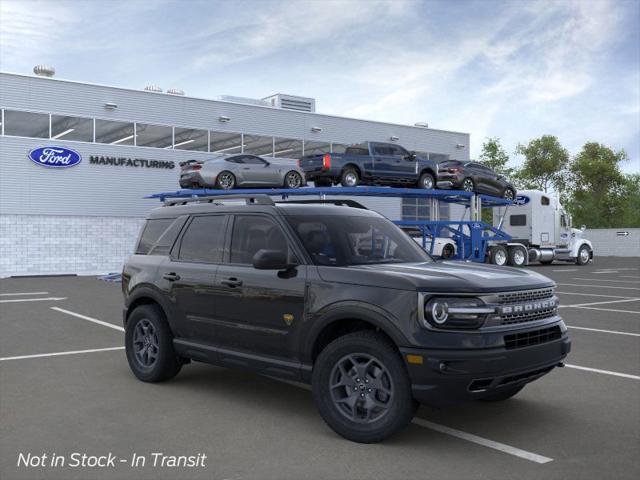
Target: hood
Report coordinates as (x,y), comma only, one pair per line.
(447,276)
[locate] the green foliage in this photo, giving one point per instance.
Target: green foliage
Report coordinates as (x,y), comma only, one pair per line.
(495,157)
(545,164)
(599,194)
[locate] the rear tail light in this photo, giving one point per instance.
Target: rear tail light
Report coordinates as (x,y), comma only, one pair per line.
(454,170)
(196,167)
(299,162)
(326,161)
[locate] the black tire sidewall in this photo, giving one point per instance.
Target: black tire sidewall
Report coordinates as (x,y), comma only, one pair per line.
(344,174)
(167,364)
(377,346)
(218,180)
(421,181)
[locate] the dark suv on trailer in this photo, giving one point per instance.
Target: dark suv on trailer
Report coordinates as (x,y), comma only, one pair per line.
(338,297)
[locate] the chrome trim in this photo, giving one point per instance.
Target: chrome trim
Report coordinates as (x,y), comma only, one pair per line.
(472,309)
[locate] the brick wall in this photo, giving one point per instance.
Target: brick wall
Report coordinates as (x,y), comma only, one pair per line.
(84,245)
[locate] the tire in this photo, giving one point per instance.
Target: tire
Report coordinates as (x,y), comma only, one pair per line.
(517,257)
(448,251)
(322,182)
(468,185)
(394,407)
(147,327)
(426,182)
(225,180)
(584,255)
(499,255)
(349,177)
(509,194)
(293,180)
(502,394)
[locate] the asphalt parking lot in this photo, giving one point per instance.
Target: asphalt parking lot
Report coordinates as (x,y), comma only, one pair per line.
(66,387)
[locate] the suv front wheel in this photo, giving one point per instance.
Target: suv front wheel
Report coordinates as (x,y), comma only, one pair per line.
(149,345)
(361,388)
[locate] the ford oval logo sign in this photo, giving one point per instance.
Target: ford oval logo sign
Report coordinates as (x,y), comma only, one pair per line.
(521,200)
(55,157)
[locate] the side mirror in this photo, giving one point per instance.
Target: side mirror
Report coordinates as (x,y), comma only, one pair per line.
(411,156)
(271,260)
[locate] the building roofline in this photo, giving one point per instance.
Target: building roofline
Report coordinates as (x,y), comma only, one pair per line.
(232,103)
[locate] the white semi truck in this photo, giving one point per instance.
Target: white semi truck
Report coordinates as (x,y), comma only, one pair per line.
(541,231)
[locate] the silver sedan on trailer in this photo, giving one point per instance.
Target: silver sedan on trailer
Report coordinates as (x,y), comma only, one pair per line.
(244,170)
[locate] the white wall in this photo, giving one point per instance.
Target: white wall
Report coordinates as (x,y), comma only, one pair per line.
(607,242)
(48,245)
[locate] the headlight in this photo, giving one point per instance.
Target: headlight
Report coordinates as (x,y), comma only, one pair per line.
(455,312)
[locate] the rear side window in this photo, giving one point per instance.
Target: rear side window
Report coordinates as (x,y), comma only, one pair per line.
(203,240)
(357,151)
(151,233)
(518,220)
(252,233)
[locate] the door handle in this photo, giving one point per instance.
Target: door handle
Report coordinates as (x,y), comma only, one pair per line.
(172,276)
(232,282)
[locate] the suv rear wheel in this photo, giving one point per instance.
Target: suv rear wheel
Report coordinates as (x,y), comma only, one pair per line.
(149,345)
(361,388)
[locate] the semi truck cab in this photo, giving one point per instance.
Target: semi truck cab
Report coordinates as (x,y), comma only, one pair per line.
(540,224)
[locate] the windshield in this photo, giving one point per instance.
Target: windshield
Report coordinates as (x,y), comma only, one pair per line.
(355,240)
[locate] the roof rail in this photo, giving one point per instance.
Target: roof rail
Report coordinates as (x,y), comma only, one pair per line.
(259,199)
(342,202)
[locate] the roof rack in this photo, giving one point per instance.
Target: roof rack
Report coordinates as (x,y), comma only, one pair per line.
(254,199)
(342,202)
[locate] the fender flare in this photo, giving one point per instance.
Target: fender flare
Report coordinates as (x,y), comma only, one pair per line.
(580,243)
(149,292)
(351,310)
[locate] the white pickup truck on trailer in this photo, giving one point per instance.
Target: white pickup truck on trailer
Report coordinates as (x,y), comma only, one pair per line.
(541,231)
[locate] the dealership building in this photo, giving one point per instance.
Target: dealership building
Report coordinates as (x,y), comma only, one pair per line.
(126,144)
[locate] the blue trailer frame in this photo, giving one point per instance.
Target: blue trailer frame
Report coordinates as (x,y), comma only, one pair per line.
(472,237)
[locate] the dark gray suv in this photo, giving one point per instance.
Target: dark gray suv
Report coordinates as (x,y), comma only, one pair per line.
(338,297)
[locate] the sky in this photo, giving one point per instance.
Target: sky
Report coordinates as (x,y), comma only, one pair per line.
(510,69)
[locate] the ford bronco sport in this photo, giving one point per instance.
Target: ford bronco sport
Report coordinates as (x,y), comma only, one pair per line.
(337,297)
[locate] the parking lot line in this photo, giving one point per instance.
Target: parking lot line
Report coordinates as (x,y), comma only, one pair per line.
(46,299)
(606,372)
(609,310)
(22,293)
(56,354)
(567,270)
(629,276)
(607,280)
(604,331)
(633,299)
(470,437)
(533,457)
(592,295)
(597,286)
(88,319)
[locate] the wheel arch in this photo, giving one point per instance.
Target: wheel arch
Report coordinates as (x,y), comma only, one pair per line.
(355,166)
(146,296)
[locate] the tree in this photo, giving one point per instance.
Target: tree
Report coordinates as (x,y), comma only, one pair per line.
(495,157)
(599,194)
(545,164)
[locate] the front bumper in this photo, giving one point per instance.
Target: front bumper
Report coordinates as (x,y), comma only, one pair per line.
(451,376)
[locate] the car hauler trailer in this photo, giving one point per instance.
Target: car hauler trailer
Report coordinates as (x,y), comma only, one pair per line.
(472,239)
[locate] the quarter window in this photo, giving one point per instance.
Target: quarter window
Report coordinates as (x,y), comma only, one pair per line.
(151,233)
(204,239)
(252,233)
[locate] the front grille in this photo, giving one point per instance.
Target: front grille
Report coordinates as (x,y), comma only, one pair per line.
(535,337)
(514,298)
(508,298)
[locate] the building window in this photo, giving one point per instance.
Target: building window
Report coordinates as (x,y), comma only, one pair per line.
(26,124)
(191,139)
(287,148)
(258,145)
(71,128)
(338,148)
(157,136)
(225,143)
(316,148)
(114,133)
(415,209)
